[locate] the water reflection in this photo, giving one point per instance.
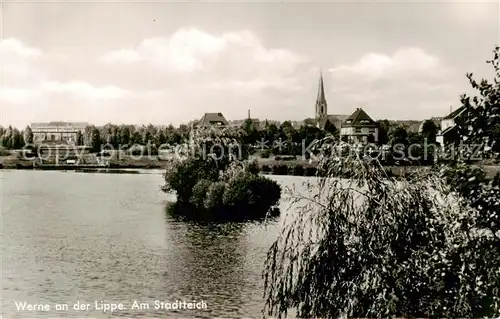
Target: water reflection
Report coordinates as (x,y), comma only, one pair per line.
(209,262)
(70,237)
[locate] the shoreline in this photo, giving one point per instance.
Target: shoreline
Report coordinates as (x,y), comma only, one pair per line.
(309,169)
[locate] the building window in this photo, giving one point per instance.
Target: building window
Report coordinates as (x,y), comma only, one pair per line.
(358,129)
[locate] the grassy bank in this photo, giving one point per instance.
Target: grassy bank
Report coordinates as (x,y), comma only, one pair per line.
(272,166)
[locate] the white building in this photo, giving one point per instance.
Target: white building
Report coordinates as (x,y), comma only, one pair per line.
(448,132)
(57,132)
(359,128)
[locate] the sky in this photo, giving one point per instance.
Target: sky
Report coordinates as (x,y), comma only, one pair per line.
(169,63)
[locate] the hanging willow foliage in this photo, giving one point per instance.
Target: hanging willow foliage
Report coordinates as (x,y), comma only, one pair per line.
(374,246)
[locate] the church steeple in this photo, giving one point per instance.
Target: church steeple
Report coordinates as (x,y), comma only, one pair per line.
(321,106)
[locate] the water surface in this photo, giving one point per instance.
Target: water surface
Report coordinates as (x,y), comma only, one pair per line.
(85,237)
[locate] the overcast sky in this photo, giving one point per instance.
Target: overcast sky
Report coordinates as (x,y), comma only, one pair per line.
(164,63)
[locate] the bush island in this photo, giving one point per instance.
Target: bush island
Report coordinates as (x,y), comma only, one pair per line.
(219,185)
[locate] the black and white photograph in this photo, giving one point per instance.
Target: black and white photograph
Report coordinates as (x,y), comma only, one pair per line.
(249,159)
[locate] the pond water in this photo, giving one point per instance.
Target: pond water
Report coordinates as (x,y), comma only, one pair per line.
(72,238)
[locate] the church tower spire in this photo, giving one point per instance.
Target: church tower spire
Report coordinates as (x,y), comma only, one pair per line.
(321,106)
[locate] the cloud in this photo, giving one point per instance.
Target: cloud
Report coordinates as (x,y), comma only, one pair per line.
(239,56)
(15,95)
(75,89)
(121,56)
(25,77)
(184,51)
(201,72)
(381,65)
(408,84)
(177,78)
(252,86)
(11,46)
(482,12)
(86,91)
(20,63)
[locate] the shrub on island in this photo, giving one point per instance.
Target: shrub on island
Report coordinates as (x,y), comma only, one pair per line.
(218,185)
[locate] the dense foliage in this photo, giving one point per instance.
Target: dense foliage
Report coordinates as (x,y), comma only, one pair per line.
(266,138)
(375,246)
(483,194)
(480,122)
(11,138)
(211,181)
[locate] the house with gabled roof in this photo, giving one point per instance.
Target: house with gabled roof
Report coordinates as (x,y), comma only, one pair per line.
(449,132)
(359,128)
(212,119)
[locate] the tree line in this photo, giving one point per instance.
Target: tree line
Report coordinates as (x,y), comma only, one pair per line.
(288,137)
(96,137)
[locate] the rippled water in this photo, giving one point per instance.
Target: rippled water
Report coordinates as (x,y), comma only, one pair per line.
(81,237)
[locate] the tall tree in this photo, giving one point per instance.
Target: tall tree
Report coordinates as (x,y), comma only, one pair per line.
(125,133)
(136,138)
(147,137)
(398,135)
(480,122)
(384,127)
(429,131)
(160,138)
(17,139)
(28,135)
(87,135)
(183,131)
(7,138)
(79,139)
(95,140)
(251,132)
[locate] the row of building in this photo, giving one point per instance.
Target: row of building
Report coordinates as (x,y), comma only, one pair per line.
(357,127)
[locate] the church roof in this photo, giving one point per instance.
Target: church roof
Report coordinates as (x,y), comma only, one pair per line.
(359,118)
(321,91)
(211,119)
(337,117)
